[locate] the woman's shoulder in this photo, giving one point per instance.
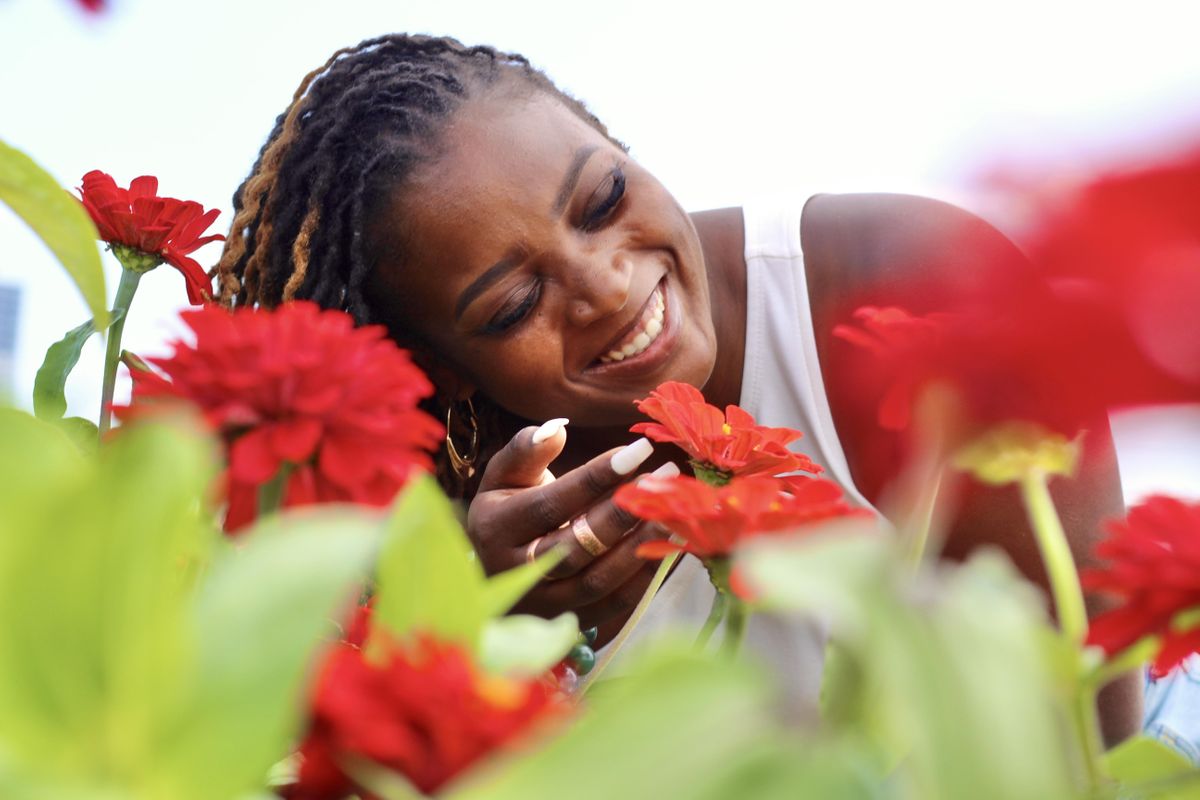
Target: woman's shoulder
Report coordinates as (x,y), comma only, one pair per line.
(875,246)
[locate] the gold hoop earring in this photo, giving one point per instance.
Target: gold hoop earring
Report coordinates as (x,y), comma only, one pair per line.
(463,465)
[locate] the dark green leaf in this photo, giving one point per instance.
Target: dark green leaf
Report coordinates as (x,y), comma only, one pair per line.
(60,221)
(49,386)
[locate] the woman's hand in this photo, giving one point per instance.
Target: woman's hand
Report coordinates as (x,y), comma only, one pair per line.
(521,511)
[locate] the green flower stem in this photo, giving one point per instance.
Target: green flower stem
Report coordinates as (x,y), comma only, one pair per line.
(1056,553)
(616,644)
(125,291)
(922,523)
(270,494)
(715,615)
(735,627)
(1072,615)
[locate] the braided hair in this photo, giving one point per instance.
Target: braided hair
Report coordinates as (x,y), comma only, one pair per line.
(356,129)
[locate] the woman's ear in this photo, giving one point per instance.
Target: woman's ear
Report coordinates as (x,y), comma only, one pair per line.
(450,384)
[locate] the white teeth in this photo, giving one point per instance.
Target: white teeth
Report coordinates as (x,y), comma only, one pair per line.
(651,328)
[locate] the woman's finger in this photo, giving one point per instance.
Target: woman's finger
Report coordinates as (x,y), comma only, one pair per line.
(523,461)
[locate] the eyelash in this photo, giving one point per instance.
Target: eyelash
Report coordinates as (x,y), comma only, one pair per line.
(504,322)
(507,321)
(602,211)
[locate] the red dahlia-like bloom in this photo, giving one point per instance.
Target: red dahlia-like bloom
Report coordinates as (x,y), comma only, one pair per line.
(712,520)
(159,228)
(1154,556)
(1135,236)
(728,444)
(422,710)
(302,387)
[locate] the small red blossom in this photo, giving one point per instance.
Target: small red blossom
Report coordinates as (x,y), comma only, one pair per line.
(729,444)
(712,520)
(302,387)
(1154,568)
(421,709)
(160,228)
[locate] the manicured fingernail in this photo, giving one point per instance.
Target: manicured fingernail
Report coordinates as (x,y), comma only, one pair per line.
(667,470)
(627,459)
(549,429)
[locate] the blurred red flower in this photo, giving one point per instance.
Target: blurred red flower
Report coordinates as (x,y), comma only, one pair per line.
(1155,570)
(725,444)
(158,229)
(422,710)
(302,387)
(93,6)
(712,520)
(1135,235)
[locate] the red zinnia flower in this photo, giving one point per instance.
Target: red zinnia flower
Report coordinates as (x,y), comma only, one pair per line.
(146,230)
(302,387)
(712,520)
(1155,569)
(726,444)
(422,710)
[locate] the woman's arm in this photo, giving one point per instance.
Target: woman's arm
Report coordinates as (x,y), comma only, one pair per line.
(902,250)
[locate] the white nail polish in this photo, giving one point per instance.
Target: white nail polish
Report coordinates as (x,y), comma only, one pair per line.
(667,470)
(549,429)
(627,459)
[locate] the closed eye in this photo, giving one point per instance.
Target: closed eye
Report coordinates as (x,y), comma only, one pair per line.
(605,199)
(513,314)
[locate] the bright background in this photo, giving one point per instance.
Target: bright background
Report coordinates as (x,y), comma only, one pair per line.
(721,101)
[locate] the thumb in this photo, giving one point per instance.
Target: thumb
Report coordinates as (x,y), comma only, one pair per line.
(523,462)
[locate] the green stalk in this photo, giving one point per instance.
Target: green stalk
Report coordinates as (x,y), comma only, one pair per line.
(1072,614)
(735,627)
(616,644)
(270,494)
(918,538)
(715,615)
(125,291)
(1056,554)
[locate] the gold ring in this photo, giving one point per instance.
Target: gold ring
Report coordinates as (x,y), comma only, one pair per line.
(587,537)
(531,551)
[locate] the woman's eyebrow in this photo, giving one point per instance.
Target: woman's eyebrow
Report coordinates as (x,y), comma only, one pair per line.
(571,179)
(478,286)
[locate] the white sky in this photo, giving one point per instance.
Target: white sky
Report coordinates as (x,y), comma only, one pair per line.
(720,100)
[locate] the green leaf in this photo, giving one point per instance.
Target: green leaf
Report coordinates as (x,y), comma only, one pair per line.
(955,684)
(96,565)
(258,620)
(504,589)
(83,432)
(428,579)
(526,646)
(670,727)
(60,221)
(1141,759)
(49,395)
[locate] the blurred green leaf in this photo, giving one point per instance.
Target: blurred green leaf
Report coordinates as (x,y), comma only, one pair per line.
(1151,764)
(663,731)
(526,646)
(504,589)
(83,432)
(956,685)
(95,567)
(427,578)
(258,618)
(60,221)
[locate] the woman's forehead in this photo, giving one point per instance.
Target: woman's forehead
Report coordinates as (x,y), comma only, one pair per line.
(502,152)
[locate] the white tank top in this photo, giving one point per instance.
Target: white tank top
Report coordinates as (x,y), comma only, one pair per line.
(781,387)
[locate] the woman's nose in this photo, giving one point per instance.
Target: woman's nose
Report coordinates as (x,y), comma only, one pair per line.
(601,288)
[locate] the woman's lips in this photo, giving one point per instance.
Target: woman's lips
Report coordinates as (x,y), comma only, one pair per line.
(642,333)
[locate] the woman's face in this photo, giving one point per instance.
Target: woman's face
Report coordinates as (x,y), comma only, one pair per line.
(545,268)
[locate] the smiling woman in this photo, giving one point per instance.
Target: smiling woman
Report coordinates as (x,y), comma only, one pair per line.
(538,272)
